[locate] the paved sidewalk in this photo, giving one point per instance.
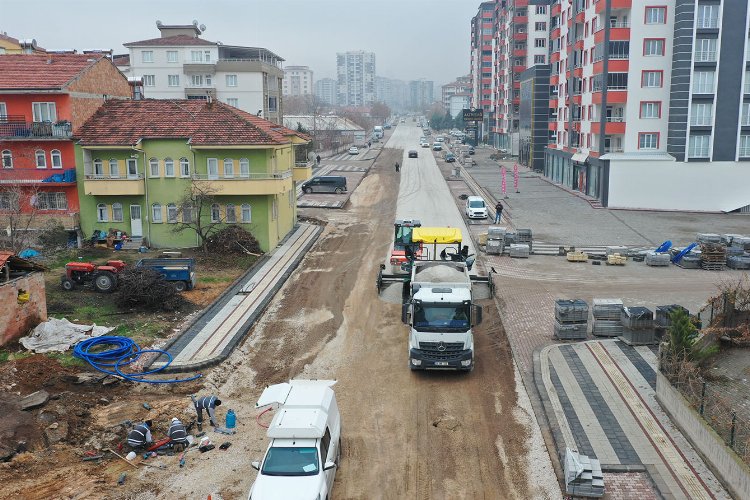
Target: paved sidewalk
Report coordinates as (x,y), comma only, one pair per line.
(213,336)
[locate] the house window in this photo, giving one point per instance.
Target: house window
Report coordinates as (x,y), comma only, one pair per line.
(648,140)
(196,55)
(168,167)
(541,9)
(9,201)
(208,80)
(197,80)
(3,110)
(117,212)
(101,213)
(540,26)
(156,213)
(132,165)
(187,213)
(51,201)
(745,114)
(747,82)
(149,81)
(213,168)
(173,80)
(698,146)
(7,159)
(656,15)
(98,168)
(539,59)
(233,101)
(650,109)
(41,158)
(244,167)
(272,104)
(184,167)
(745,146)
(44,111)
(171,56)
(153,167)
(172,213)
(56,158)
(147,56)
(228,168)
(114,168)
(653,47)
(540,42)
(247,214)
(701,113)
(215,213)
(705,49)
(231,80)
(708,16)
(703,82)
(651,79)
(231,214)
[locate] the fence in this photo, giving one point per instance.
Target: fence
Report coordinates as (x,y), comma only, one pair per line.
(720,404)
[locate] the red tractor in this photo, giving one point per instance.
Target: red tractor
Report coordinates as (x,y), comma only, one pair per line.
(103,278)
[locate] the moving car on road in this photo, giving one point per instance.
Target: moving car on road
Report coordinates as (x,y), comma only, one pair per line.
(413,153)
(436,146)
(450,157)
(353,150)
(476,208)
(325,184)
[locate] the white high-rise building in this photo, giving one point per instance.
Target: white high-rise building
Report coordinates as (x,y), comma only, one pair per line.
(325,90)
(356,78)
(181,65)
(298,80)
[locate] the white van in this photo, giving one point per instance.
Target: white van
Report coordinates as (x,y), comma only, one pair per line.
(305,447)
(476,208)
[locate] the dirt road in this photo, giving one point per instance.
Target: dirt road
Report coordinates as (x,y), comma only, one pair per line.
(405,434)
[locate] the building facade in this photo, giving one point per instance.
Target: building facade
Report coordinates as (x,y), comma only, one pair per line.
(43,99)
(462,85)
(298,80)
(137,171)
(182,65)
(533,116)
(421,94)
(10,45)
(326,90)
(356,78)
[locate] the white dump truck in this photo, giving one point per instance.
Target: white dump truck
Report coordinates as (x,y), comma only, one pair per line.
(305,447)
(440,306)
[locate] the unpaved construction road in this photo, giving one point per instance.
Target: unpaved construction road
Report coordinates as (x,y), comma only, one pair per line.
(436,435)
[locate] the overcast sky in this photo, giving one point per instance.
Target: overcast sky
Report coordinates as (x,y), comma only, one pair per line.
(411,38)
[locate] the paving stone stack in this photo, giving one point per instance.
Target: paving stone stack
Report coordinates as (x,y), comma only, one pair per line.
(583,475)
(713,256)
(738,261)
(520,250)
(524,236)
(637,326)
(708,238)
(691,260)
(662,320)
(611,250)
(495,240)
(742,242)
(571,319)
(657,259)
(607,321)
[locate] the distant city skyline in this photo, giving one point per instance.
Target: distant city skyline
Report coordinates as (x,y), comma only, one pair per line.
(418,39)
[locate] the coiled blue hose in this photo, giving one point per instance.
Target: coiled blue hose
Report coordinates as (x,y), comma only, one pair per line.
(123,352)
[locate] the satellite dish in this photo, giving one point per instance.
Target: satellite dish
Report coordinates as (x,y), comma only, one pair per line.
(158,24)
(202,28)
(195,22)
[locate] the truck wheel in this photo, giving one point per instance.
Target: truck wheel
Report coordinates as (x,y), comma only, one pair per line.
(105,282)
(67,284)
(180,286)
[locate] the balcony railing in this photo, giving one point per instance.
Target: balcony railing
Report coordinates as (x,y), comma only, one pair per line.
(705,56)
(701,120)
(110,177)
(707,23)
(244,177)
(17,126)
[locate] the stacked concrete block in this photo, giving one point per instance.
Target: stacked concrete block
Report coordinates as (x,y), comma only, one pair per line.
(583,475)
(616,259)
(519,250)
(495,240)
(611,250)
(607,321)
(742,242)
(708,238)
(571,319)
(524,236)
(638,326)
(655,259)
(738,261)
(577,257)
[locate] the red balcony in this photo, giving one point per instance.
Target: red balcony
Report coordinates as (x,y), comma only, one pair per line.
(555,33)
(581,17)
(521,20)
(578,72)
(552,126)
(521,3)
(566,125)
(578,45)
(556,9)
(615,66)
(553,102)
(516,85)
(614,34)
(554,80)
(613,97)
(517,100)
(554,57)
(486,58)
(610,128)
(616,4)
(519,69)
(520,36)
(576,99)
(519,52)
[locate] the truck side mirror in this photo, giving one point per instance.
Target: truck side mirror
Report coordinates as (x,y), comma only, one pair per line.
(255,465)
(405,313)
(477,315)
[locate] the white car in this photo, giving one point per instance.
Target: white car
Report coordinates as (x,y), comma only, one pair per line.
(424,144)
(353,150)
(476,208)
(436,146)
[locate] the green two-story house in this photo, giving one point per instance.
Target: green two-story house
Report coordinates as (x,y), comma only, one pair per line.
(138,162)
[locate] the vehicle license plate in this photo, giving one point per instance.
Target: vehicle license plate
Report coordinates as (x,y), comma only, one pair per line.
(441,363)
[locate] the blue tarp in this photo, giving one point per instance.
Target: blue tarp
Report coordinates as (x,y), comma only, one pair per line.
(66,176)
(28,253)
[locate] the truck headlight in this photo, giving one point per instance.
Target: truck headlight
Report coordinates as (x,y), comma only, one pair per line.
(466,362)
(416,362)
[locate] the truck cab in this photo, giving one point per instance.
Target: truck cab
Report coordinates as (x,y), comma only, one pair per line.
(305,442)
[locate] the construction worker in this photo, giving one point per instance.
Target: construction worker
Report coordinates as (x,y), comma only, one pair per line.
(208,403)
(178,434)
(140,435)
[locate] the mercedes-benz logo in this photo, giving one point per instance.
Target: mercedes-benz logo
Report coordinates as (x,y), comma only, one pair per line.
(441,347)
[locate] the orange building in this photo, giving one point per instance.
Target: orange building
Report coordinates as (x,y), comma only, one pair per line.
(43,99)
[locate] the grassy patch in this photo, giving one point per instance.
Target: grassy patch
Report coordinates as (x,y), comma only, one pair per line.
(66,360)
(6,355)
(217,279)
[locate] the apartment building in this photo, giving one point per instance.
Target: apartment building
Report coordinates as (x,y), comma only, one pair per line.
(421,94)
(394,93)
(326,90)
(649,102)
(356,78)
(298,80)
(482,67)
(461,85)
(182,65)
(43,99)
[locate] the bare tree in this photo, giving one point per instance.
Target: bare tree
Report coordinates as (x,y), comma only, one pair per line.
(380,111)
(198,212)
(18,214)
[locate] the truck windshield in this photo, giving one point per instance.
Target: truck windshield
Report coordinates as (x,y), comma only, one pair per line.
(291,462)
(441,317)
(403,234)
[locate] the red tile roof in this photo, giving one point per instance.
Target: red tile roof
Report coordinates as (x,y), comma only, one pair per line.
(176,40)
(125,122)
(121,59)
(42,71)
